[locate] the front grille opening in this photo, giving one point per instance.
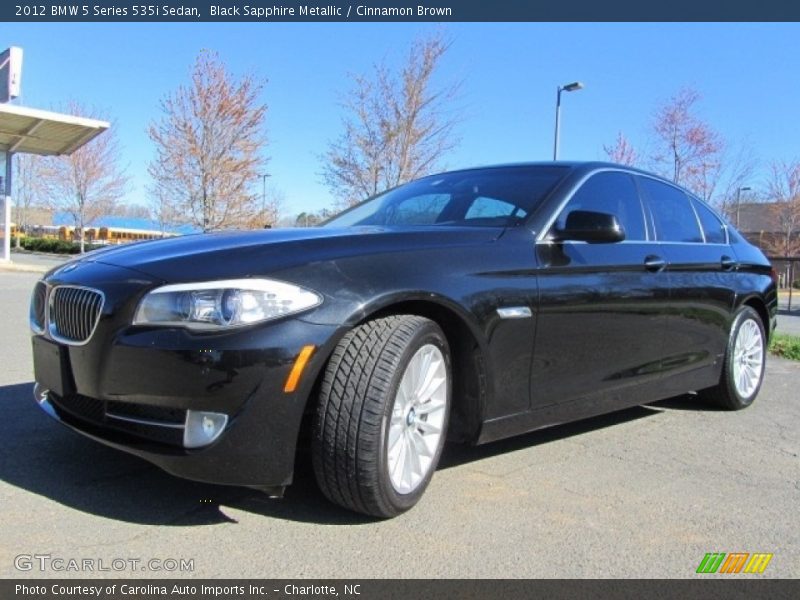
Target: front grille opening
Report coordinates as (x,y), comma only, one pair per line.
(38,306)
(82,407)
(148,413)
(162,425)
(74,312)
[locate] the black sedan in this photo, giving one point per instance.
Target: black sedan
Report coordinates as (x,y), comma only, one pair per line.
(471,305)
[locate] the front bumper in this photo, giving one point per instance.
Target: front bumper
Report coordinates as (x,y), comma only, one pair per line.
(130,388)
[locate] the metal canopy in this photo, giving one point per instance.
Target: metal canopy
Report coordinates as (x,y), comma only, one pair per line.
(32,131)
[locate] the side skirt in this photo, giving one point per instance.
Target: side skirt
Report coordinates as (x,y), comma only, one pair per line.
(584,408)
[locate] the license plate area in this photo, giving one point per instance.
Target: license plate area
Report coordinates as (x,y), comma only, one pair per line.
(51,366)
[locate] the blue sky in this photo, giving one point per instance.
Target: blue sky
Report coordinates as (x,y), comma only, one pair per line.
(746,73)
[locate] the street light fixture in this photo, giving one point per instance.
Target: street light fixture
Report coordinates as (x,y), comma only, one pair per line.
(739,202)
(569,87)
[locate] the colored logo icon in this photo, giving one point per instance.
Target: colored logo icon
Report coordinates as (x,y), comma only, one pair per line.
(734,562)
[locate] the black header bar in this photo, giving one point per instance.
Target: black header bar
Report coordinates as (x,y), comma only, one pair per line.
(700,588)
(375,11)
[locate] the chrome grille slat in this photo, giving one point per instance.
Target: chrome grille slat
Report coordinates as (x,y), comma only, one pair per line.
(72,310)
(74,313)
(69,328)
(78,308)
(58,315)
(90,311)
(82,315)
(67,306)
(68,309)
(85,316)
(38,307)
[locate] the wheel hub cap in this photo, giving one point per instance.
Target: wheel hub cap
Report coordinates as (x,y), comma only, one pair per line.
(748,358)
(417,419)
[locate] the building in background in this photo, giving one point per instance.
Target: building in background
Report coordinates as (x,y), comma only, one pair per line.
(775,228)
(766,225)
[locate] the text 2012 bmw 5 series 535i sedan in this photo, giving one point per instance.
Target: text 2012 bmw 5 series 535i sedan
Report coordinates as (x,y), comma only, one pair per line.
(470,305)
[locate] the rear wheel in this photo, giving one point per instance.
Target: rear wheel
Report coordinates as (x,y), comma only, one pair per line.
(745,362)
(382,416)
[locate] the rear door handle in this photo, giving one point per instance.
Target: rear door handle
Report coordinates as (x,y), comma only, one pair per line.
(654,263)
(728,263)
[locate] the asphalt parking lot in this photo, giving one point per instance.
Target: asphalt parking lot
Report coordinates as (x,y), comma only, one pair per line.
(644,492)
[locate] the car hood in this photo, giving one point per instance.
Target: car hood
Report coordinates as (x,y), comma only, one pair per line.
(249,253)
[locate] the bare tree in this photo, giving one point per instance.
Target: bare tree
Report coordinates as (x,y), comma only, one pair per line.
(271,210)
(311,219)
(29,189)
(88,183)
(274,208)
(307,219)
(133,211)
(688,149)
(208,146)
(621,152)
(784,188)
(398,126)
(164,212)
(737,171)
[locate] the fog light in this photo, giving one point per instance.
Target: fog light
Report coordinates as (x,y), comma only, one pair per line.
(202,428)
(42,397)
(40,393)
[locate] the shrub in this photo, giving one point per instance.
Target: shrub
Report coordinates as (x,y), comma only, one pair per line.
(52,246)
(786,346)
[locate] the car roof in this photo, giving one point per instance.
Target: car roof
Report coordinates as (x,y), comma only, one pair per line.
(577,168)
(584,166)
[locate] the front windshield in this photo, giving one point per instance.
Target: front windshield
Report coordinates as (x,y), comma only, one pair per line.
(495,197)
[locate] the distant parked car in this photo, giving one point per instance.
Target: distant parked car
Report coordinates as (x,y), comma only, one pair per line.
(472,305)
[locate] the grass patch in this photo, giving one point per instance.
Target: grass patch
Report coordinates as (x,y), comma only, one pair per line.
(785,346)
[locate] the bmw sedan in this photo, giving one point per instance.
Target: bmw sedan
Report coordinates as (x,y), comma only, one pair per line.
(471,305)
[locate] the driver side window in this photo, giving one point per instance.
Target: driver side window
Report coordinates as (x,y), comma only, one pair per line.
(610,192)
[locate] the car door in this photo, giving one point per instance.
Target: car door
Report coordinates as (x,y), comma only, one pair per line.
(701,267)
(600,313)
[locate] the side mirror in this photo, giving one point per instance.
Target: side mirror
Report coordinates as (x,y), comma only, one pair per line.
(592,227)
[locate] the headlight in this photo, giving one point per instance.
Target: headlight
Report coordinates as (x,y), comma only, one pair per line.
(216,304)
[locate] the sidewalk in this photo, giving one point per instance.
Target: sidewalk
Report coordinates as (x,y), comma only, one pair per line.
(789,322)
(33,262)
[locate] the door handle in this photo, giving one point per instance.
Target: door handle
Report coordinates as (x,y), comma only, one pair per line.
(654,263)
(728,263)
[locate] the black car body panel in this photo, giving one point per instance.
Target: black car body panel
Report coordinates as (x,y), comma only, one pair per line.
(608,327)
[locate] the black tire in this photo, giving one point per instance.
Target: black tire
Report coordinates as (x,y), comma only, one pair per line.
(357,396)
(726,394)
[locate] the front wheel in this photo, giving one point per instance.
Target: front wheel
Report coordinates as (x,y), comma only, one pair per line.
(382,416)
(745,362)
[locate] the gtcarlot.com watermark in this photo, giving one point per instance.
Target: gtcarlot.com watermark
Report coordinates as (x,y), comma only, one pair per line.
(44,563)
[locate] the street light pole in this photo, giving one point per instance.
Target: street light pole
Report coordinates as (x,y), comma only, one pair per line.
(264,196)
(739,202)
(570,87)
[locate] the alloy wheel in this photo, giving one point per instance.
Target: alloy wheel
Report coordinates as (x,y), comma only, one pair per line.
(748,358)
(417,419)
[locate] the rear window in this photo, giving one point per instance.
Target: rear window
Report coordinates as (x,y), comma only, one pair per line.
(673,216)
(712,226)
